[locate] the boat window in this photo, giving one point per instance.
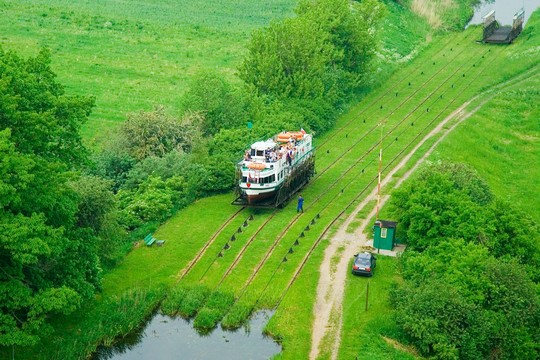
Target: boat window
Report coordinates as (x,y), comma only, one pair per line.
(260,153)
(272,178)
(252,153)
(244,179)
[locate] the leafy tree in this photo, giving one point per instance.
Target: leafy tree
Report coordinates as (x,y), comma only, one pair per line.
(152,201)
(113,163)
(222,105)
(443,201)
(458,302)
(352,31)
(288,59)
(450,201)
(323,53)
(42,118)
(469,288)
(48,263)
(95,201)
(155,133)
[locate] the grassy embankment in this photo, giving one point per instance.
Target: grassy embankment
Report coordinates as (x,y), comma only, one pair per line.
(501,142)
(191,228)
(134,55)
(292,322)
(505,136)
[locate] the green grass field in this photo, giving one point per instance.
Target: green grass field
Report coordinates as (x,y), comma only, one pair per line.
(450,71)
(504,137)
(134,55)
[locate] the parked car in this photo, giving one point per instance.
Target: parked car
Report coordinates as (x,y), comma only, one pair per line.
(363,264)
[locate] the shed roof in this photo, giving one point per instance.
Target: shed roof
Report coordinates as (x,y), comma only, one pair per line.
(386,224)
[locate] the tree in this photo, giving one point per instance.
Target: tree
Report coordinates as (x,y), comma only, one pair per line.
(442,201)
(155,133)
(323,53)
(42,118)
(48,263)
(222,105)
(459,302)
(469,288)
(288,59)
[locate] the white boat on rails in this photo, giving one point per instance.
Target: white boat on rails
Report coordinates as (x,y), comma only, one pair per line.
(274,170)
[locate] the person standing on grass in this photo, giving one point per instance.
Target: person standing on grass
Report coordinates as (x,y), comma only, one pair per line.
(300,206)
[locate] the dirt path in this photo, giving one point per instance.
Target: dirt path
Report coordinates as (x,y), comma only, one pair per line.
(328,307)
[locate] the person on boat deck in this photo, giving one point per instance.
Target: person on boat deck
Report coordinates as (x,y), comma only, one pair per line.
(300,207)
(289,157)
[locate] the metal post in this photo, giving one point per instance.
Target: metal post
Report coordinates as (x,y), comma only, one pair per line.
(367,295)
(379,181)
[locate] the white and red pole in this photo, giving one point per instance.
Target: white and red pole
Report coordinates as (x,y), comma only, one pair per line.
(380,169)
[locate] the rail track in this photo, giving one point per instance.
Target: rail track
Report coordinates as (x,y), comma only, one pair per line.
(376,142)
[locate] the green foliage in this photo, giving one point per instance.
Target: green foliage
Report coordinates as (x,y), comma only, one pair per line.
(444,200)
(222,106)
(113,164)
(323,53)
(450,201)
(317,116)
(48,261)
(95,201)
(152,201)
(43,120)
(156,134)
(460,302)
(470,273)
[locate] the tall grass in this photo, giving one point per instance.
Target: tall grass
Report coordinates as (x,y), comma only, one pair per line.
(103,324)
(185,300)
(214,310)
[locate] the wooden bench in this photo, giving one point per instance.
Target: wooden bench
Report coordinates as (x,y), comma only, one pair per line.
(149,240)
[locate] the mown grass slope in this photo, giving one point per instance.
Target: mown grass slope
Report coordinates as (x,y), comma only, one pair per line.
(502,142)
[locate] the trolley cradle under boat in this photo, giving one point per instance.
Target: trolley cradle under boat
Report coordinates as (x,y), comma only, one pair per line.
(297,179)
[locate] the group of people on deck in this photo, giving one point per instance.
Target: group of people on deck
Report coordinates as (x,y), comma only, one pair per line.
(272,155)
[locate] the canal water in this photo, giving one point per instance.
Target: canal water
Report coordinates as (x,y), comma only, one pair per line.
(505,10)
(167,338)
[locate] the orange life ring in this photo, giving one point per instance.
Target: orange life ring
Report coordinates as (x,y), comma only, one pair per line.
(285,136)
(256,166)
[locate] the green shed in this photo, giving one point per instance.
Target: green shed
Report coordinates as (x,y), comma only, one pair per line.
(384,234)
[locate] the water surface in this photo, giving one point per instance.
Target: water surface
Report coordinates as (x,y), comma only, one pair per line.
(166,338)
(505,10)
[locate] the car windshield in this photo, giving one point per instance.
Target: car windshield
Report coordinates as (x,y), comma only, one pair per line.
(364,261)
